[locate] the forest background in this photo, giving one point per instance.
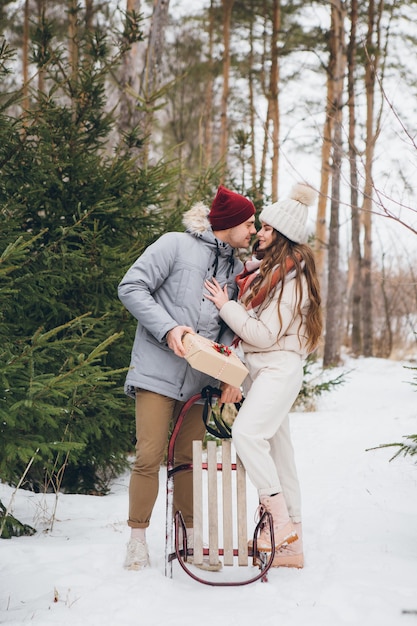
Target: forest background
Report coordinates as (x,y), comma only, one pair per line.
(115,117)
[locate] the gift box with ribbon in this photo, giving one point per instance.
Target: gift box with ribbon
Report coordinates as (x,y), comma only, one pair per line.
(215,359)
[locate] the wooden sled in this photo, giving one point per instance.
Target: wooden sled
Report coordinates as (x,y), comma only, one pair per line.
(220,514)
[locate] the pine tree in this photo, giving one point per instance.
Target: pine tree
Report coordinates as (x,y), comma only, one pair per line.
(73,216)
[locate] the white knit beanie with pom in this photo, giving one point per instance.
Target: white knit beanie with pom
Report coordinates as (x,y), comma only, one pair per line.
(289,217)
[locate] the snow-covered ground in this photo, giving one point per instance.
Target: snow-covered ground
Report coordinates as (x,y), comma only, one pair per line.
(360,527)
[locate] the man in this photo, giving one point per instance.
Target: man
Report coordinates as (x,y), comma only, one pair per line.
(164,290)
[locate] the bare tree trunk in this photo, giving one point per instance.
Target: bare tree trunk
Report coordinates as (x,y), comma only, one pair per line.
(89,14)
(155,46)
(331,355)
(208,105)
(265,57)
(262,173)
(72,37)
(321,242)
(224,131)
(371,65)
(129,79)
(321,222)
(252,104)
(386,342)
(356,257)
(41,17)
(152,71)
(89,30)
(273,94)
(25,59)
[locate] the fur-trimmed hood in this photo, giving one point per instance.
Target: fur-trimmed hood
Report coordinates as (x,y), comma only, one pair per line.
(196,219)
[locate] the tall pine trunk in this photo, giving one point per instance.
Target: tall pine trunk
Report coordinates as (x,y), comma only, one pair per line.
(41,19)
(224,121)
(371,65)
(321,242)
(331,355)
(273,95)
(251,87)
(355,291)
(129,77)
(151,75)
(265,86)
(25,58)
(321,233)
(89,14)
(208,103)
(73,38)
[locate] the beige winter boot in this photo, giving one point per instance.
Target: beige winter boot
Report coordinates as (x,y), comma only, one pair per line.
(284,532)
(292,554)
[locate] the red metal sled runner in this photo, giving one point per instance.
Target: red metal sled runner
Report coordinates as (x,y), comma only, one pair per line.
(232,475)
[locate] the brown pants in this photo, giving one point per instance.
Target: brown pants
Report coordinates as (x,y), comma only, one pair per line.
(155,414)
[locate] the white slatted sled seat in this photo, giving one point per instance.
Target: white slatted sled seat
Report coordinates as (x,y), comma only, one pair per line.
(220,515)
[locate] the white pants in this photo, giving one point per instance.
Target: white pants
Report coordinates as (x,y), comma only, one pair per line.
(261,431)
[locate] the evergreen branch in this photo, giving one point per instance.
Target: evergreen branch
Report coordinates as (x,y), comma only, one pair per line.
(19,484)
(403,448)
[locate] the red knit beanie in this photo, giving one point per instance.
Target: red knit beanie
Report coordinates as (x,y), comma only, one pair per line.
(229,209)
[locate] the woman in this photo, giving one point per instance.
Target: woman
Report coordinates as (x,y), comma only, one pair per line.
(278,321)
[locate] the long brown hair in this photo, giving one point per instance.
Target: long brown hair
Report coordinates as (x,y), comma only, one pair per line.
(276,255)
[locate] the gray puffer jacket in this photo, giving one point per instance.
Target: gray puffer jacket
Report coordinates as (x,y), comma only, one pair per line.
(165,288)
